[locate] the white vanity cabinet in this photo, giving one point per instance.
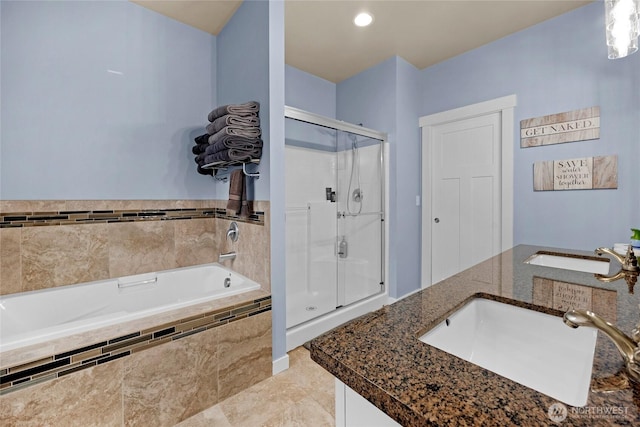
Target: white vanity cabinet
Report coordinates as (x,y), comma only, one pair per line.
(353,410)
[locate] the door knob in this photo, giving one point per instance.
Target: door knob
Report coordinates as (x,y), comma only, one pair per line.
(436,220)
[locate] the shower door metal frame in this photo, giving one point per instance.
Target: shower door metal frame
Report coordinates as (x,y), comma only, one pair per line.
(317,119)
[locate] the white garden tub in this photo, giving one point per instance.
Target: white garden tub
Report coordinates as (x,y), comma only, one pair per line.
(35,317)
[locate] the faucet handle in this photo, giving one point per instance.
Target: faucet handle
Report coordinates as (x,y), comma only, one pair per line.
(233,232)
(630,258)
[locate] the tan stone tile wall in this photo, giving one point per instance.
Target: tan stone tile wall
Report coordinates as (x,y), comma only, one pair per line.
(91,397)
(46,256)
(160,386)
(54,256)
(244,355)
(10,260)
(252,248)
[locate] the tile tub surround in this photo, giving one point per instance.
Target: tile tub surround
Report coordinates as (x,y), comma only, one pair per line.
(41,351)
(380,356)
(101,239)
(25,372)
(157,385)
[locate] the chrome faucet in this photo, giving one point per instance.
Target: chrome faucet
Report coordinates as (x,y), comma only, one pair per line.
(628,347)
(233,232)
(228,255)
(629,262)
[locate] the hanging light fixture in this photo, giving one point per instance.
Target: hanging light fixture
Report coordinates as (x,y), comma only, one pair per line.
(622,19)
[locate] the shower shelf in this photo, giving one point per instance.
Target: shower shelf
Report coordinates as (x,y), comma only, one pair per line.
(224,166)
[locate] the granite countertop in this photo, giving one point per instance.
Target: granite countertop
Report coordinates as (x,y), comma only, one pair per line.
(380,356)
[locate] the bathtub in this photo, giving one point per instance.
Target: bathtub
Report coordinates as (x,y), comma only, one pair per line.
(39,316)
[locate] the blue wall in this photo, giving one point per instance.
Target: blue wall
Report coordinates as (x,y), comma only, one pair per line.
(314,94)
(243,75)
(406,216)
(309,92)
(101,100)
(557,66)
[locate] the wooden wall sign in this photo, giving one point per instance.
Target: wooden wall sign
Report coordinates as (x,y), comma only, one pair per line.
(577,125)
(587,173)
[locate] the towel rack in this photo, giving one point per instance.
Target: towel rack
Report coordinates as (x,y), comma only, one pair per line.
(224,166)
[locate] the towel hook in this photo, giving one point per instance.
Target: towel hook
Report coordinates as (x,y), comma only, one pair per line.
(225,178)
(255,175)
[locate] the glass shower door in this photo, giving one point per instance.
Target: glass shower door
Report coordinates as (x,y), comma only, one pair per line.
(311,221)
(334,219)
(360,209)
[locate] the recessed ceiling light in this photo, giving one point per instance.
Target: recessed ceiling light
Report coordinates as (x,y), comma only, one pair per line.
(363,19)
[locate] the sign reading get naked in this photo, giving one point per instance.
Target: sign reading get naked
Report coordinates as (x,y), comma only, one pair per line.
(577,125)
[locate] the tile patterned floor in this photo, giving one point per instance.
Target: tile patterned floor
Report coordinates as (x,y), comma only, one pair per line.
(301,396)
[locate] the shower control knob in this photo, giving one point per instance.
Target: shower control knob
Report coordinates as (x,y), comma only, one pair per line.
(436,220)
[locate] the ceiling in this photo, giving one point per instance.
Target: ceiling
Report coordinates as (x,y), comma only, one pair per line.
(320,37)
(206,15)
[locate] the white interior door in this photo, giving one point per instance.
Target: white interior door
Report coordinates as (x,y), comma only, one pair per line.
(465,194)
(456,247)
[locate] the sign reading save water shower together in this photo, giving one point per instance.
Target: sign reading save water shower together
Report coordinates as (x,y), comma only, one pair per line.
(576,174)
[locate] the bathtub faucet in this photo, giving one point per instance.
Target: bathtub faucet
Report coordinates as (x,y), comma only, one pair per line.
(233,232)
(228,255)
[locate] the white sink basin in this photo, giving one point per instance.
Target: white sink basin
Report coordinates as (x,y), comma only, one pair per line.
(556,260)
(534,349)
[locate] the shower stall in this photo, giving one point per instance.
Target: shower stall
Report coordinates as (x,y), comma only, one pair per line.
(335,263)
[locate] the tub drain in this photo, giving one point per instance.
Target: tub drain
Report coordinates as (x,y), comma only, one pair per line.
(311,308)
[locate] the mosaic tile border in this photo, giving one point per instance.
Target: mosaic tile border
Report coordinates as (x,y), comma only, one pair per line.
(55,366)
(33,219)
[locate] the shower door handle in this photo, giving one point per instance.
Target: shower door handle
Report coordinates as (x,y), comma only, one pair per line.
(330,194)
